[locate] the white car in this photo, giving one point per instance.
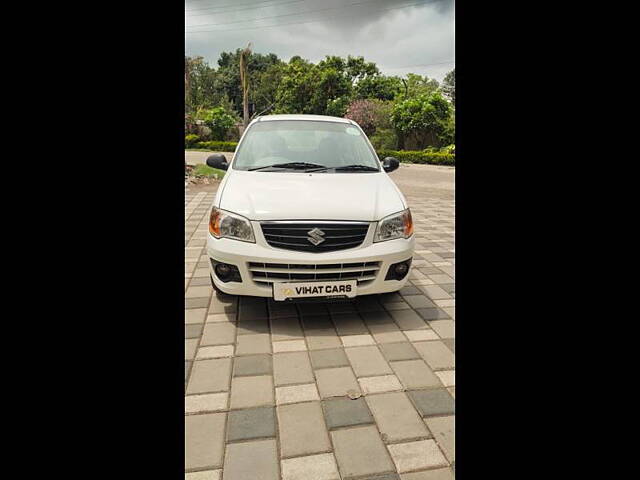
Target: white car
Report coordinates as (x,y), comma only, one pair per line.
(306,209)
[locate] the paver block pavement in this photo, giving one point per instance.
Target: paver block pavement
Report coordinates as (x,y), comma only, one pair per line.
(204,440)
(218,334)
(251,461)
(443,429)
(367,361)
(422,454)
(302,429)
(253,344)
(312,467)
(249,392)
(415,374)
(336,382)
(399,351)
(296,394)
(396,417)
(208,376)
(360,451)
(252,365)
(204,475)
(384,383)
(433,402)
(292,367)
(436,354)
(333,357)
(438,474)
(251,423)
(344,412)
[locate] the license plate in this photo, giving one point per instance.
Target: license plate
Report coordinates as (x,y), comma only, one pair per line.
(340,288)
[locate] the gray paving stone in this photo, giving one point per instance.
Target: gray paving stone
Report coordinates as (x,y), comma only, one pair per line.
(360,451)
(200,281)
(292,367)
(435,292)
(200,302)
(250,423)
(396,417)
(193,330)
(318,322)
(419,301)
(399,351)
(302,429)
(322,339)
(408,319)
(436,354)
(450,343)
(186,370)
(443,430)
(336,382)
(256,460)
(415,374)
(210,376)
(349,324)
(367,361)
(433,402)
(253,344)
(252,365)
(249,392)
(203,440)
(253,326)
(286,329)
(218,334)
(432,313)
(334,357)
(344,412)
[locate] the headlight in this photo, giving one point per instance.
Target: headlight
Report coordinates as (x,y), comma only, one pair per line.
(223,224)
(398,225)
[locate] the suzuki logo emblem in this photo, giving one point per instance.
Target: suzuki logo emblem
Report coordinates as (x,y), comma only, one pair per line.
(315,236)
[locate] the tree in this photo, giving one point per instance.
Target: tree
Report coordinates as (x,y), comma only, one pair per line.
(449,86)
(424,119)
(416,85)
(378,86)
(244,82)
(218,120)
(369,114)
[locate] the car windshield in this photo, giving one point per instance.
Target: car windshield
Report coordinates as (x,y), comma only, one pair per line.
(304,145)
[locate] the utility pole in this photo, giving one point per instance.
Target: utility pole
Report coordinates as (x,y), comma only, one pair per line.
(244,82)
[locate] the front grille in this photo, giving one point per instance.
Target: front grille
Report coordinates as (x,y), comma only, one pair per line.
(296,235)
(268,273)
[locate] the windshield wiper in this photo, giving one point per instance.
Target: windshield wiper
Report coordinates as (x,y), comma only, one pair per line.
(292,165)
(365,168)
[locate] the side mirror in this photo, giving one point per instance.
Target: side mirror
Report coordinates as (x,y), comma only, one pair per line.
(390,164)
(217,161)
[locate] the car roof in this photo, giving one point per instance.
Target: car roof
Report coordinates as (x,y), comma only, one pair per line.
(316,118)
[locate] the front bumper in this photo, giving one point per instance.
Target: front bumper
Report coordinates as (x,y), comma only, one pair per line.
(242,254)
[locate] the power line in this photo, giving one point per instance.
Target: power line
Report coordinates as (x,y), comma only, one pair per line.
(312,21)
(279,16)
(252,7)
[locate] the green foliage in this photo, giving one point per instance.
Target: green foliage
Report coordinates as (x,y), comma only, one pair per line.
(202,170)
(417,156)
(217,146)
(218,120)
(449,85)
(190,140)
(384,139)
(425,116)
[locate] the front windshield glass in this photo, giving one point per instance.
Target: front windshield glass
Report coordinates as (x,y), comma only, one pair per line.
(326,144)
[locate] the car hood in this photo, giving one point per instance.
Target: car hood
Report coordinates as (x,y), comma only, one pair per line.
(310,196)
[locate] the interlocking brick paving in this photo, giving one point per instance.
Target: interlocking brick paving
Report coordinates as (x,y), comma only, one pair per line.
(268,384)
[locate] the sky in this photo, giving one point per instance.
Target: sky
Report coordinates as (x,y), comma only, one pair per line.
(400,36)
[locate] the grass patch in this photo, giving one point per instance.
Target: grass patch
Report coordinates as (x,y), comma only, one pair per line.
(201,170)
